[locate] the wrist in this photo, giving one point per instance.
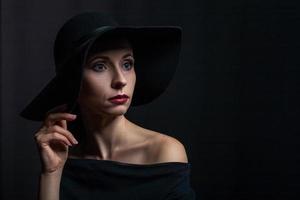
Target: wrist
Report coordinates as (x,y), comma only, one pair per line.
(52,173)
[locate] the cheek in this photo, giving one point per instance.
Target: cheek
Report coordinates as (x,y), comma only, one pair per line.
(93,86)
(133,79)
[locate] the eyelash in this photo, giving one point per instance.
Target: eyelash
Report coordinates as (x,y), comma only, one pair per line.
(95,65)
(131,62)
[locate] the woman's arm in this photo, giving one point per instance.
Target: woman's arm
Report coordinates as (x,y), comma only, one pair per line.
(53,140)
(49,185)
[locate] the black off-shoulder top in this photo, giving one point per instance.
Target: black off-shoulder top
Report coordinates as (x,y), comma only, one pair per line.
(88,179)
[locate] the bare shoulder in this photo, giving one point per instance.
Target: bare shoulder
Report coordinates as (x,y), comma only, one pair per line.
(161,147)
(171,150)
(165,148)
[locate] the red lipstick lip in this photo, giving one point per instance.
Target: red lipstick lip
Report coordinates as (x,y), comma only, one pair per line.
(119,101)
(119,97)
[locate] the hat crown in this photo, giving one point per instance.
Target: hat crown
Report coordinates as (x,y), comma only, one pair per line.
(77,30)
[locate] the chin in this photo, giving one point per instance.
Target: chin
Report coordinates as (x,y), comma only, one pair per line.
(116,110)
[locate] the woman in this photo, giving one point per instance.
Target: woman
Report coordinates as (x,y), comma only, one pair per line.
(88,148)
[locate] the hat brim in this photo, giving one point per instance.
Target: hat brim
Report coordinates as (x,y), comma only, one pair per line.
(156,53)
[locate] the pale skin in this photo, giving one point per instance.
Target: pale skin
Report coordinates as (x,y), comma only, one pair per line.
(109,135)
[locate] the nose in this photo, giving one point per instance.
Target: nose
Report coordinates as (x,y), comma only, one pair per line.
(118,80)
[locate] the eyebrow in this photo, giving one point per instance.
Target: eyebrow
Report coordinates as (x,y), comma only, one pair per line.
(107,58)
(128,54)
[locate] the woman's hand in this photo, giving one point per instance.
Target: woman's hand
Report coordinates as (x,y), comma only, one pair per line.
(53,140)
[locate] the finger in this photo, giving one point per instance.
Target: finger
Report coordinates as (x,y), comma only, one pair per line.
(58,109)
(53,118)
(41,132)
(64,132)
(47,138)
(62,123)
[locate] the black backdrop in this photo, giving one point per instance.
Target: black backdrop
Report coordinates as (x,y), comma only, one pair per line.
(234,102)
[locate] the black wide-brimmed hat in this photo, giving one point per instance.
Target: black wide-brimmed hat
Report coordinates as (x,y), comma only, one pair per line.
(156,53)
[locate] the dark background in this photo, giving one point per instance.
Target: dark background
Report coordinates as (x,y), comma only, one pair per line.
(234,102)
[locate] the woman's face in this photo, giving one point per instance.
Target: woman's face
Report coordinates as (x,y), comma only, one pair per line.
(107,73)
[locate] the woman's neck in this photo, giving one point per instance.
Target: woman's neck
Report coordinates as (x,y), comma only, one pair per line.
(105,134)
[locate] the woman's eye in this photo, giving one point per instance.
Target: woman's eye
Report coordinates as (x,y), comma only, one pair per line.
(98,66)
(128,65)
